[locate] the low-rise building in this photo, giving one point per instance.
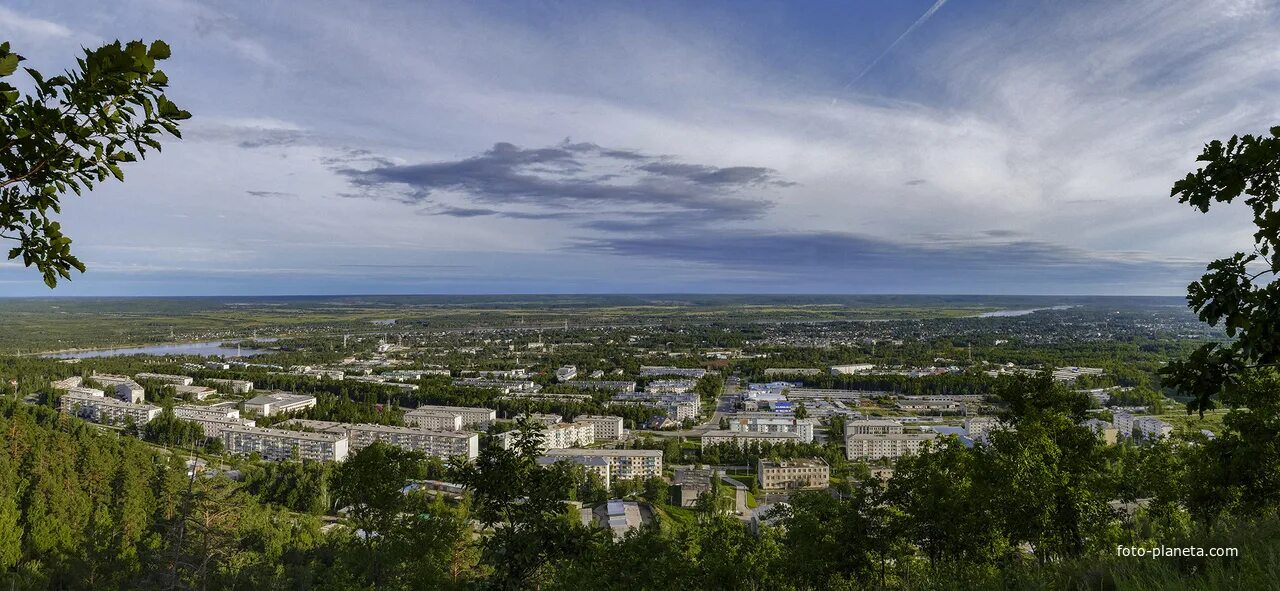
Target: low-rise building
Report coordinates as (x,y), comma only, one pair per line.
(471,416)
(281,444)
(745,437)
(763,422)
(274,403)
(165,378)
(566,373)
(794,474)
(607,427)
(884,446)
(852,368)
(96,407)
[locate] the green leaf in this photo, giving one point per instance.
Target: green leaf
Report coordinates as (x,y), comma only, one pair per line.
(159,50)
(8,64)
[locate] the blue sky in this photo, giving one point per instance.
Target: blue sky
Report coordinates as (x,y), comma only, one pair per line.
(472,147)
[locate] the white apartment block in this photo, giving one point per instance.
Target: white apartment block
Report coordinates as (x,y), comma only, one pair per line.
(107,411)
(745,437)
(66,383)
(444,444)
(212,419)
(125,388)
(670,386)
(434,420)
(280,444)
(764,422)
(877,446)
(235,386)
(852,368)
(977,428)
(558,436)
(165,378)
(597,465)
(547,419)
(624,464)
(196,392)
(678,407)
(274,403)
(872,427)
(794,474)
(83,391)
(665,370)
(1140,427)
(607,427)
(471,416)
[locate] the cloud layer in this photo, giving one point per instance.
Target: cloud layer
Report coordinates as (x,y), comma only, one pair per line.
(995,148)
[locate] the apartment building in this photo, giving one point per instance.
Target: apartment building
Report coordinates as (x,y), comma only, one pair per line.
(670,386)
(745,437)
(504,386)
(274,403)
(195,392)
(212,419)
(872,427)
(794,474)
(471,416)
(879,446)
(977,428)
(444,444)
(647,371)
(1103,429)
(558,436)
(165,378)
(85,391)
(566,373)
(434,420)
(66,383)
(594,464)
(234,386)
(679,407)
(623,464)
(545,418)
(280,444)
(764,422)
(607,427)
(94,406)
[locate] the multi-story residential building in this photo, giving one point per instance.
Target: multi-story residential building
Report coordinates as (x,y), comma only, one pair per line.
(96,407)
(545,418)
(504,386)
(212,419)
(233,386)
(443,444)
(872,427)
(281,444)
(647,371)
(1103,429)
(607,427)
(763,422)
(670,386)
(274,403)
(679,407)
(606,385)
(125,388)
(471,416)
(196,392)
(852,368)
(1150,428)
(792,371)
(66,383)
(794,474)
(165,378)
(744,437)
(440,420)
(1123,423)
(623,464)
(878,446)
(558,436)
(566,373)
(84,391)
(594,464)
(977,428)
(935,406)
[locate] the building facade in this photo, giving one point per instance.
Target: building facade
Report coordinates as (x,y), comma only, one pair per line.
(607,427)
(471,416)
(274,403)
(772,423)
(884,446)
(281,444)
(794,474)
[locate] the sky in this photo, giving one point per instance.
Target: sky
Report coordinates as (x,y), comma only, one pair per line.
(859,146)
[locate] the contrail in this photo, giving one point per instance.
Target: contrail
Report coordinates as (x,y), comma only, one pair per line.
(920,21)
